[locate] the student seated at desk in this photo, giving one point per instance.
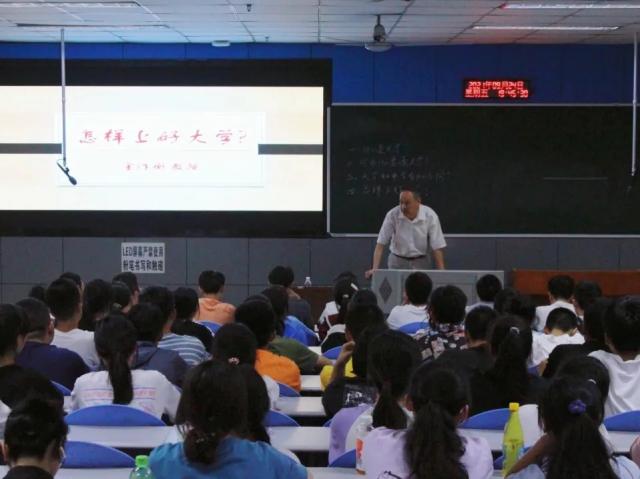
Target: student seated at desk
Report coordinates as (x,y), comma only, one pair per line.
(298,307)
(487,287)
(359,317)
(430,447)
(97,300)
(561,328)
(149,324)
(622,333)
(349,280)
(571,411)
(350,390)
(585,294)
(186,309)
(150,391)
(333,324)
(211,307)
(122,298)
(446,315)
(560,296)
(34,440)
(593,322)
(189,348)
(294,348)
(257,314)
(392,358)
(235,342)
(57,364)
(509,379)
(212,418)
(477,355)
(417,288)
(65,303)
(18,383)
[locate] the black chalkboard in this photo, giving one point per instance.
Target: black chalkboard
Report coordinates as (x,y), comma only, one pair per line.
(486,169)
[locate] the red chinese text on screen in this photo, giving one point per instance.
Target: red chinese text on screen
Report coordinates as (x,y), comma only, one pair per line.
(496,90)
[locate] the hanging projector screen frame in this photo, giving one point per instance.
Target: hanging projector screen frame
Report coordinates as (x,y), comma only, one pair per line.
(189,73)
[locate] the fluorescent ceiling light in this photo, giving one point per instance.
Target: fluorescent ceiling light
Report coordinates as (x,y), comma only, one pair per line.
(569,6)
(69,4)
(76,26)
(555,28)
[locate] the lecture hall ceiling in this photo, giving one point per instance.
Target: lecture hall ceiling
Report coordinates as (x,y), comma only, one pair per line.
(414,22)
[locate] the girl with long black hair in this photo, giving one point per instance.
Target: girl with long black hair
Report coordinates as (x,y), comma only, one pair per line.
(430,448)
(115,340)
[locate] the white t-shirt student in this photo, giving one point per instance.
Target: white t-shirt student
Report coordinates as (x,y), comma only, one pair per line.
(152,392)
(79,341)
(544,344)
(624,392)
(623,468)
(4,414)
(406,314)
(384,455)
(543,311)
(488,304)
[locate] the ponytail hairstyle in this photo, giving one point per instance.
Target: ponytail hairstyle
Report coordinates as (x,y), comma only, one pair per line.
(235,340)
(97,303)
(122,297)
(213,405)
(392,357)
(572,410)
(343,291)
(258,406)
(115,340)
(511,340)
(433,447)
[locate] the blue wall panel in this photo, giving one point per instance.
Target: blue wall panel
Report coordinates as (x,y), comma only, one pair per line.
(352,72)
(559,73)
(405,75)
(279,51)
(204,51)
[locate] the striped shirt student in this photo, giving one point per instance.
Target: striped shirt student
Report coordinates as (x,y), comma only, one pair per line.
(189,348)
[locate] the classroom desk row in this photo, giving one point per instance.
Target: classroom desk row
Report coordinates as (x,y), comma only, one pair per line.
(304,406)
(296,439)
(123,473)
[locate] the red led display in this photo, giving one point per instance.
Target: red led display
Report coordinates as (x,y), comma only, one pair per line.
(496,90)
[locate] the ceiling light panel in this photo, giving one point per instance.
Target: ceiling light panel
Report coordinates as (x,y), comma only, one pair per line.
(73,5)
(570,6)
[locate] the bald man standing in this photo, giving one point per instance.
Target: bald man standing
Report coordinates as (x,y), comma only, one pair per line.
(413,231)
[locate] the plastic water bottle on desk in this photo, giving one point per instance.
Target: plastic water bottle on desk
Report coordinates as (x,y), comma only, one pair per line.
(142,470)
(513,441)
(365,425)
(307,281)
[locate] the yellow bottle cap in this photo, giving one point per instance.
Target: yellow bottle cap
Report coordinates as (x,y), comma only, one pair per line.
(514,406)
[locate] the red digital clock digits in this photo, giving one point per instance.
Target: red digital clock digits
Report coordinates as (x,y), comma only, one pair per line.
(496,89)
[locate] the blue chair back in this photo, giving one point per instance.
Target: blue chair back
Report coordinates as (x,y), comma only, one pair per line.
(87,455)
(328,423)
(625,421)
(213,327)
(63,390)
(332,353)
(348,459)
(413,328)
(287,392)
(494,420)
(112,415)
(277,419)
